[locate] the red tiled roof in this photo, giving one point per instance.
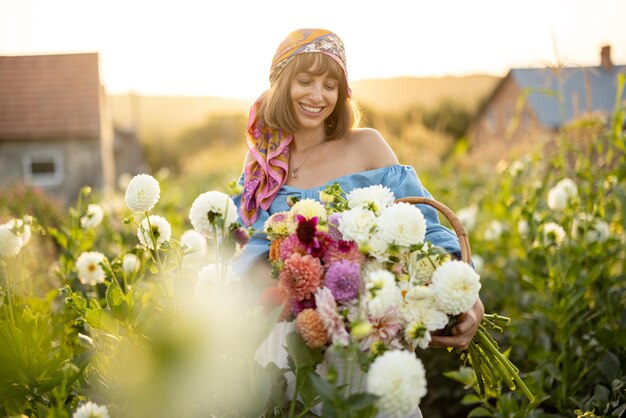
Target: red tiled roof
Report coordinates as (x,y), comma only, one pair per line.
(49,96)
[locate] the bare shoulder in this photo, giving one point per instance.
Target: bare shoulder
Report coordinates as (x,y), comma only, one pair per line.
(372,148)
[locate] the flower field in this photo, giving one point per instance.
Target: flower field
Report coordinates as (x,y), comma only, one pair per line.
(125,306)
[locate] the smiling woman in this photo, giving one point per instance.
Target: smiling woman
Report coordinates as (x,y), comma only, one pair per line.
(302,136)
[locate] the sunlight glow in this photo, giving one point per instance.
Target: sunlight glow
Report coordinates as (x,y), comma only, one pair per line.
(225,48)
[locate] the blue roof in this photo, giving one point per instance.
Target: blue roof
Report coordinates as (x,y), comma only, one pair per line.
(571,81)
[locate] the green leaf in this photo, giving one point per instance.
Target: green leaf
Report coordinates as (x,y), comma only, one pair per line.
(480,412)
(116,301)
(464,375)
(327,392)
(360,401)
(617,412)
(609,366)
(301,354)
(601,394)
(100,320)
(471,399)
(114,296)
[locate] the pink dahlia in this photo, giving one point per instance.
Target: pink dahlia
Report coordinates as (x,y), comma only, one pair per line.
(298,306)
(327,310)
(301,276)
(385,329)
(291,245)
(343,250)
(342,278)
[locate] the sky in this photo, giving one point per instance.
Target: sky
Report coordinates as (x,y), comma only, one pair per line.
(224,48)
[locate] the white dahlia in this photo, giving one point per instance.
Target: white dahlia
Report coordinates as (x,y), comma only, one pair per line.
(420,306)
(212,211)
(467,216)
(399,379)
(91,410)
(10,244)
(156,226)
(402,224)
(557,198)
(417,334)
(553,234)
(523,228)
(89,269)
(209,278)
(420,268)
(142,193)
(494,230)
(309,208)
(569,187)
(455,287)
(590,229)
(374,198)
(383,293)
(93,217)
(195,241)
(357,225)
(21,229)
(130,264)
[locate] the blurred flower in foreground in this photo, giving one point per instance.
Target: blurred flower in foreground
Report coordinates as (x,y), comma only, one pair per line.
(89,269)
(154,226)
(130,264)
(93,217)
(209,278)
(10,243)
(398,377)
(212,212)
(91,410)
(142,193)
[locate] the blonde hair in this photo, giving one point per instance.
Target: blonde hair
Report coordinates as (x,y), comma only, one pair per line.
(277,109)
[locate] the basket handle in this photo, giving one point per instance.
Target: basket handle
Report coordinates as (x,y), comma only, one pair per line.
(466,254)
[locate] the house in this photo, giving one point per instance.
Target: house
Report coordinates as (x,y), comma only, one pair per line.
(529,106)
(55,126)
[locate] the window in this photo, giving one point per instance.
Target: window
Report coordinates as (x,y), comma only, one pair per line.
(43,168)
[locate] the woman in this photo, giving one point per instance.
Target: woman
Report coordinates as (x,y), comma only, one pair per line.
(302,136)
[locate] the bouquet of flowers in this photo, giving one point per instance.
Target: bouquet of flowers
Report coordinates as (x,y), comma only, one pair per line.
(357,271)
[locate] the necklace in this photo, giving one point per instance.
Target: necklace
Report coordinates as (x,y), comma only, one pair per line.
(294,171)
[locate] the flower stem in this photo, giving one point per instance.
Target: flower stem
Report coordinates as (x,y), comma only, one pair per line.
(499,363)
(9,293)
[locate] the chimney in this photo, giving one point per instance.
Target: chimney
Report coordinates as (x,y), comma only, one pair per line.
(605,58)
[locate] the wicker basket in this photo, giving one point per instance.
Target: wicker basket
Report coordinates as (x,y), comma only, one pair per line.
(466,254)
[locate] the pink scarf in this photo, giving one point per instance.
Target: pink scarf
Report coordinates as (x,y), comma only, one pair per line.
(267,172)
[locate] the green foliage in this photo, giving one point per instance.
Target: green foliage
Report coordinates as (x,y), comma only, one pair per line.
(19,199)
(566,299)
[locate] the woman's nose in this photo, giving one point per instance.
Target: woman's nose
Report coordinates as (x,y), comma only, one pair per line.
(316,91)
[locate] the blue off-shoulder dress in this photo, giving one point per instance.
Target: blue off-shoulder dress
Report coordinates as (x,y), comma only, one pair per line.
(401,179)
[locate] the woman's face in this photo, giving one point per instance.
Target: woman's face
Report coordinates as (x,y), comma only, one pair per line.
(313,98)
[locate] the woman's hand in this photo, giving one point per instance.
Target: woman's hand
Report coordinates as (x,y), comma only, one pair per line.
(464,330)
